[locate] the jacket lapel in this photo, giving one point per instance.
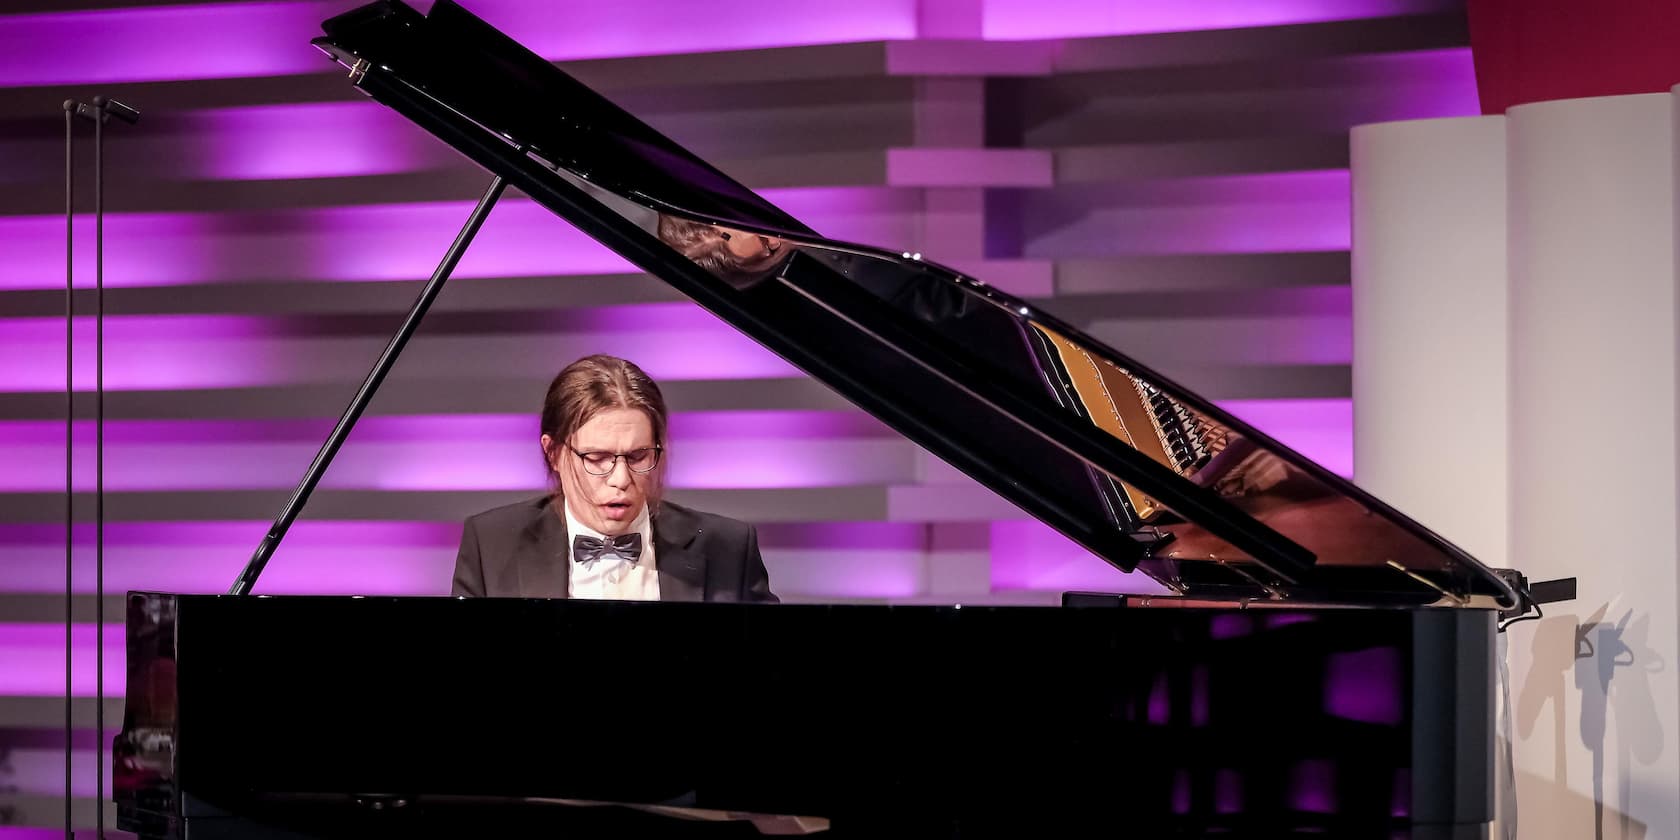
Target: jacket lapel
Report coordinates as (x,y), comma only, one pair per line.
(682,571)
(540,554)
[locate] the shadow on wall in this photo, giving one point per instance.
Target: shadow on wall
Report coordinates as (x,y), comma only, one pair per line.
(1566,809)
(1596,654)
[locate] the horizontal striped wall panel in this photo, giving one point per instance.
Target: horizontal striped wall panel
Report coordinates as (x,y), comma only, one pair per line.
(808,560)
(386,242)
(456,451)
(411,395)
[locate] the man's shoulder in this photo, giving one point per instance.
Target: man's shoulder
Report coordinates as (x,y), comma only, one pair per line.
(517,513)
(704,521)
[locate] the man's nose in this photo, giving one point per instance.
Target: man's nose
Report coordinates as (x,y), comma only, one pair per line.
(620,475)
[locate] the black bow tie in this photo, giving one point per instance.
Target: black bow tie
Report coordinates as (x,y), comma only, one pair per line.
(590,549)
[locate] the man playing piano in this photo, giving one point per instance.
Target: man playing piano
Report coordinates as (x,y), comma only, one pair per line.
(605,532)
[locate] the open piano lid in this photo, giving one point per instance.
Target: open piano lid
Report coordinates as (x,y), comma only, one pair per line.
(1135,468)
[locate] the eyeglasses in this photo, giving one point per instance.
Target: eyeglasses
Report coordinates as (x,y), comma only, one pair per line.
(603,463)
(770,244)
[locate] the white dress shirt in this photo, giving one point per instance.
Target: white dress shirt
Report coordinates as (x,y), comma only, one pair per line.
(612,578)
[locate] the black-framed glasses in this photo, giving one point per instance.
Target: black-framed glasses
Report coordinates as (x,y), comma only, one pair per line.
(643,460)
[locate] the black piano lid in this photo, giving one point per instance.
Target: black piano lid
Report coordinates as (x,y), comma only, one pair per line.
(1140,471)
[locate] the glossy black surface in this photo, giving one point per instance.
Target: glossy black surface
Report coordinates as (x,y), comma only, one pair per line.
(988,720)
(1024,403)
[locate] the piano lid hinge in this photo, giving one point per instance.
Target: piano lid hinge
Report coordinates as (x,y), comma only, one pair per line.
(1451,596)
(1271,590)
(1151,539)
(359,70)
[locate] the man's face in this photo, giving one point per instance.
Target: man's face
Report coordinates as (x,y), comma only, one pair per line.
(607,503)
(748,245)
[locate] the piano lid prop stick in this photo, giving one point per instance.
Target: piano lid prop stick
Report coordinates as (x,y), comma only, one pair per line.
(312,476)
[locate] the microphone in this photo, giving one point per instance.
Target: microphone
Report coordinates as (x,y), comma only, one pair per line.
(117,109)
(81,109)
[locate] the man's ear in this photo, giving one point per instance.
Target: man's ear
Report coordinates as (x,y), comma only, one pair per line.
(548,450)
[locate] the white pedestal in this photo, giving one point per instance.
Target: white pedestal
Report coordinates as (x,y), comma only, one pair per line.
(1569,380)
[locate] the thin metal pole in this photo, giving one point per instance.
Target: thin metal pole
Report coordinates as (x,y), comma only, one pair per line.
(69,445)
(99,472)
(248,578)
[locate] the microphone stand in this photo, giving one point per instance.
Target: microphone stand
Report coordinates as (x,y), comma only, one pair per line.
(71,109)
(99,111)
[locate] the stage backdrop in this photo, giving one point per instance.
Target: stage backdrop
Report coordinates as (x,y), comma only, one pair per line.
(1171,177)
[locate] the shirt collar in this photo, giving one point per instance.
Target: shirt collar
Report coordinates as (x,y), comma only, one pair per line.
(575,529)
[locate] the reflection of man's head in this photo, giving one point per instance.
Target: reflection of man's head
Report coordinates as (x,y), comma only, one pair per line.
(728,253)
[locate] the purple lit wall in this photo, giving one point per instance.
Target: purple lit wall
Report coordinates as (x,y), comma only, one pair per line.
(1170,177)
(372,241)
(1023,19)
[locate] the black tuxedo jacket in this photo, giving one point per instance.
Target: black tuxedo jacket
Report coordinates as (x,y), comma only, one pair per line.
(522,551)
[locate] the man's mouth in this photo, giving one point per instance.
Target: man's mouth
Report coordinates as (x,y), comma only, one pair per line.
(616,510)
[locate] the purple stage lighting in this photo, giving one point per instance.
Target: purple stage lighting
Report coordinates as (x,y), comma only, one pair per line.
(34,660)
(378,241)
(164,352)
(228,40)
(269,142)
(448,452)
(1026,19)
(1366,686)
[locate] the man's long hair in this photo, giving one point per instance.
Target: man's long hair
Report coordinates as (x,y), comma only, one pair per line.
(706,246)
(594,384)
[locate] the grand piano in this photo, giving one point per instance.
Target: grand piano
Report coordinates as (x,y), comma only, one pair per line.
(1321,663)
